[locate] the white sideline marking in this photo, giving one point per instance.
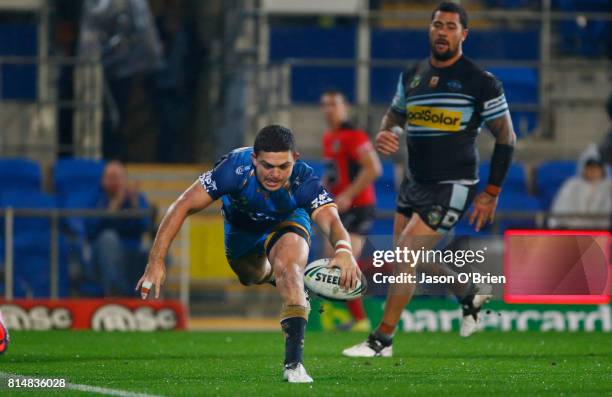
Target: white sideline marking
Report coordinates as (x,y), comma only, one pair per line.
(85,388)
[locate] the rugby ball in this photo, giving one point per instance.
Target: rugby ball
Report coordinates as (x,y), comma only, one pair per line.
(323,281)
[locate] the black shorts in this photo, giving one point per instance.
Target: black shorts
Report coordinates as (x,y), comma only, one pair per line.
(359,220)
(440,205)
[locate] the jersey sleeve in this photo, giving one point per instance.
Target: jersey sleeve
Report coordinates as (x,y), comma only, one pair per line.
(222,179)
(359,143)
(399,100)
(309,193)
(492,103)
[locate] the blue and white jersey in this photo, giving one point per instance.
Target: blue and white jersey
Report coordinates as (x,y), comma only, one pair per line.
(248,205)
(444,110)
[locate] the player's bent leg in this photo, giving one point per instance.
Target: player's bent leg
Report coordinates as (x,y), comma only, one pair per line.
(252,268)
(412,233)
(288,257)
(4,335)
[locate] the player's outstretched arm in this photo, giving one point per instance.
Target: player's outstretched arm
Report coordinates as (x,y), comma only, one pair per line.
(327,219)
(486,202)
(387,142)
(194,199)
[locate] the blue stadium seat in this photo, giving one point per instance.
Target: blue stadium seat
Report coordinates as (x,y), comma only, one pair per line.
(32,233)
(521,86)
(32,245)
(549,178)
(488,44)
(76,175)
(510,201)
(385,187)
(19,174)
(309,82)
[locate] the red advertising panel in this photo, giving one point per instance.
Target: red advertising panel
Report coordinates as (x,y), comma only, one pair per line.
(557,266)
(96,314)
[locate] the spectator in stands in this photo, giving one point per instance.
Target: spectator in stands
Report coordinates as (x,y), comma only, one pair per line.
(123,36)
(590,193)
(117,255)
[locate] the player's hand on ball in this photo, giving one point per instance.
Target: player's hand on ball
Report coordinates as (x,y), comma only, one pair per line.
(484,210)
(387,142)
(154,275)
(349,271)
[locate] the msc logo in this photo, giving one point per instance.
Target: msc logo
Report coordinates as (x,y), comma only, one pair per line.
(439,119)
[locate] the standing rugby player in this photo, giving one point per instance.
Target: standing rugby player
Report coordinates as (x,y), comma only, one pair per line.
(441,103)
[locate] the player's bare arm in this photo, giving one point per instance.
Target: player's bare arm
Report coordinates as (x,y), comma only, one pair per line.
(194,199)
(370,170)
(387,142)
(327,219)
(486,202)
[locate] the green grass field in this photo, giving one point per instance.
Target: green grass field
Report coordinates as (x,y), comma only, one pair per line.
(241,364)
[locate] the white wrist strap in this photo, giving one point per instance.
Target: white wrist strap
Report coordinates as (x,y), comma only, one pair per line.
(343,242)
(344,250)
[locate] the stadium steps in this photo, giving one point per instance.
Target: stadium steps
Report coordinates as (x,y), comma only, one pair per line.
(162,184)
(218,298)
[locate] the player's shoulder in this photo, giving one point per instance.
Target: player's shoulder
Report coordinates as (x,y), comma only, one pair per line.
(241,155)
(232,169)
(301,172)
(414,69)
(478,71)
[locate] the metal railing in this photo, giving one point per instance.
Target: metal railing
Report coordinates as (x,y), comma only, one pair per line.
(539,218)
(55,216)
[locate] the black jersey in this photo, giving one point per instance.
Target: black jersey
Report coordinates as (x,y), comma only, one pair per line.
(445,108)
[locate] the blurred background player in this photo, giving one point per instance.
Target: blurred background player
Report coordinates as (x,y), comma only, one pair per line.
(117,251)
(441,102)
(352,166)
(269,198)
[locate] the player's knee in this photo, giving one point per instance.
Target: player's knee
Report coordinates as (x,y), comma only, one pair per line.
(245,280)
(251,277)
(287,273)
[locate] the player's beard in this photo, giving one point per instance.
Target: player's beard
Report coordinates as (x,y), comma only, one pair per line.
(443,56)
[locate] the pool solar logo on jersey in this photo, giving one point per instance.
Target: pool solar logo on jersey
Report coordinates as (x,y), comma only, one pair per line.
(434,118)
(416,80)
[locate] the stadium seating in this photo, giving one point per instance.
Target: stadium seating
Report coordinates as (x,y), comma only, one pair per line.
(19,174)
(32,245)
(77,175)
(549,178)
(385,187)
(309,81)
